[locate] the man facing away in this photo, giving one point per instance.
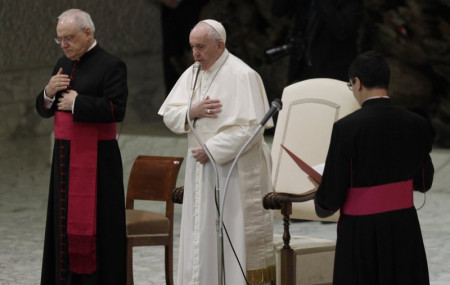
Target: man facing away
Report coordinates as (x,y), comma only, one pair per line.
(377,156)
(85,237)
(228,102)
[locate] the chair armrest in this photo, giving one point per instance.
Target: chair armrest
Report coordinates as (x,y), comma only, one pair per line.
(283,202)
(177,195)
(278,200)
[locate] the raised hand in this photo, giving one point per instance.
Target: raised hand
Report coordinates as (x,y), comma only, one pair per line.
(57,82)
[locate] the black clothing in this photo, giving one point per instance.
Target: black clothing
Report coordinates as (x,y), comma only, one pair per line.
(324,36)
(177,24)
(377,144)
(101,82)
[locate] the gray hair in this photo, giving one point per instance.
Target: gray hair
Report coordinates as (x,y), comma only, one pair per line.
(81,18)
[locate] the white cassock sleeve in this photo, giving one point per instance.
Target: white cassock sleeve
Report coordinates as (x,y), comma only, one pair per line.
(225,146)
(174,108)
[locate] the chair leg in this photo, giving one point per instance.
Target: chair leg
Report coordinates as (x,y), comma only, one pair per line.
(168,251)
(130,280)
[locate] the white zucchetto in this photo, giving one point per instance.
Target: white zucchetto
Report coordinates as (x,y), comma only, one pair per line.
(218,27)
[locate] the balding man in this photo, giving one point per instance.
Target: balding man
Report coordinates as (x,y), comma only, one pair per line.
(85,238)
(228,103)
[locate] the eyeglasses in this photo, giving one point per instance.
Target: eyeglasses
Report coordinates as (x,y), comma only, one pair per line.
(66,39)
(350,86)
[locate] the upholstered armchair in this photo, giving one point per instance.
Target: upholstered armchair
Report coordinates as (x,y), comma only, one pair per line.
(304,128)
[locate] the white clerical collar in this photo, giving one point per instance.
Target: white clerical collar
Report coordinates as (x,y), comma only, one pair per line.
(93,45)
(376,97)
(207,77)
(215,67)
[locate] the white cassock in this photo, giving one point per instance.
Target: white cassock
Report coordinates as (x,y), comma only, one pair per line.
(250,227)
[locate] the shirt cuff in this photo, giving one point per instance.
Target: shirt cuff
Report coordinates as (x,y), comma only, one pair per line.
(48,102)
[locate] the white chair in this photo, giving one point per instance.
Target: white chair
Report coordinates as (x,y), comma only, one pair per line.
(304,127)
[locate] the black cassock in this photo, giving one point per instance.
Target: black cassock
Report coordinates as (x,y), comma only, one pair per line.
(377,144)
(101,82)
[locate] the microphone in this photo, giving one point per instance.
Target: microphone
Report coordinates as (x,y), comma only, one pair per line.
(275,50)
(195,71)
(276,106)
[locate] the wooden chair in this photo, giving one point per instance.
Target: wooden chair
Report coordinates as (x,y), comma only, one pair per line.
(152,178)
(304,127)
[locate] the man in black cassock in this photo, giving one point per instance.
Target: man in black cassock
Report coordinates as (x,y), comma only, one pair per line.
(377,156)
(85,237)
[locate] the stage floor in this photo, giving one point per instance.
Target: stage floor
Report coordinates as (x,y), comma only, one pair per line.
(24,178)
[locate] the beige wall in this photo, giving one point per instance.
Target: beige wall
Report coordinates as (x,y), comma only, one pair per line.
(129,29)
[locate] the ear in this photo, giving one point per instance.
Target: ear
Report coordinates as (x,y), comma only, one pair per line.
(88,31)
(220,45)
(357,84)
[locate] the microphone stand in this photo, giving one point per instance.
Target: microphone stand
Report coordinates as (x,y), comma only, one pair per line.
(231,170)
(221,275)
(276,106)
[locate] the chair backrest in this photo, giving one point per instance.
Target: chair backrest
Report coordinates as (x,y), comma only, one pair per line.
(304,126)
(152,178)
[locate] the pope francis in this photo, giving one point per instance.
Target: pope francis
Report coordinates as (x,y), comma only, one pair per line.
(228,102)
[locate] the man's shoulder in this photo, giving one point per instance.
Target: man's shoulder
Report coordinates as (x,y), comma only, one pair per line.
(106,58)
(100,52)
(239,65)
(352,118)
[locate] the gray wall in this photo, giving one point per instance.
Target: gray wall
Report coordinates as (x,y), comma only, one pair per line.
(129,29)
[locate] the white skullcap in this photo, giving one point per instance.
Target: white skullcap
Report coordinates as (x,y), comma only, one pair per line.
(218,27)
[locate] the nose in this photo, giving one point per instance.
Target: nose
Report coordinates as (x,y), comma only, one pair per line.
(195,52)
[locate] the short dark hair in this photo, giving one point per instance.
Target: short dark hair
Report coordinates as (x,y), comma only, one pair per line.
(372,70)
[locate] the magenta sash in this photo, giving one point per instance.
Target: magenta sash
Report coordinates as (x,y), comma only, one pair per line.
(379,199)
(82,202)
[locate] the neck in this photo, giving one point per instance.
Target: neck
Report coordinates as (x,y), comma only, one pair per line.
(91,43)
(373,93)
